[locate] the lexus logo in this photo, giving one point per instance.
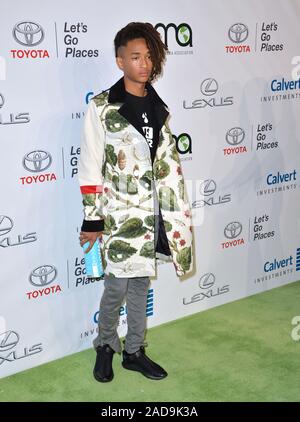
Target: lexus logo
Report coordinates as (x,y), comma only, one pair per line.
(6,224)
(1,101)
(8,340)
(207,281)
(37,161)
(28,33)
(209,86)
(43,275)
(233,230)
(235,136)
(238,33)
(208,187)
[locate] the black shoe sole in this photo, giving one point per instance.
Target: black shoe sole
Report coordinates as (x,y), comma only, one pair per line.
(102,379)
(152,377)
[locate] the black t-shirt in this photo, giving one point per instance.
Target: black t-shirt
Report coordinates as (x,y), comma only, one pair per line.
(144,112)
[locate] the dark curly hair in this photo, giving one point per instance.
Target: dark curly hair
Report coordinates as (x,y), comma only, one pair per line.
(153,40)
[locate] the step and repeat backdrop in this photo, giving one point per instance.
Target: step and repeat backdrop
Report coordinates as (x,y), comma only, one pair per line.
(232,83)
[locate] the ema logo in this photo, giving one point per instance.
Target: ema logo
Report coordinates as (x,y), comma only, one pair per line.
(238,33)
(36,162)
(183,144)
(9,340)
(29,34)
(41,277)
(183,33)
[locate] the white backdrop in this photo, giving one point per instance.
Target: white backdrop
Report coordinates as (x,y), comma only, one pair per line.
(233,91)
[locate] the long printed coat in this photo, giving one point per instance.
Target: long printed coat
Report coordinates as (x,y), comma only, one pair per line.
(117,179)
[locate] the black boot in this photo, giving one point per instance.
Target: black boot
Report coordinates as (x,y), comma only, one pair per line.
(138,361)
(103,371)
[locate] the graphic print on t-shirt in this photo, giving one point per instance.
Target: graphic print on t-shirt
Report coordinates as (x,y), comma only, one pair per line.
(148,130)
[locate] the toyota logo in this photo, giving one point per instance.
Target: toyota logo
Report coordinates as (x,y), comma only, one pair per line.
(235,136)
(28,33)
(8,340)
(1,101)
(37,161)
(208,187)
(43,275)
(207,281)
(209,86)
(233,230)
(6,224)
(238,33)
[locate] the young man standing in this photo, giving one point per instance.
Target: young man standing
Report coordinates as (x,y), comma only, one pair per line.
(133,195)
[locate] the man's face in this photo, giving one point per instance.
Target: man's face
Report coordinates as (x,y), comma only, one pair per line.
(135,61)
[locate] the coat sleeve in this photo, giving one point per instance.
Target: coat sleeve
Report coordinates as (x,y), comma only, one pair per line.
(90,169)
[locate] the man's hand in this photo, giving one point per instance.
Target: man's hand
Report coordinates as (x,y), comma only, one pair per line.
(89,237)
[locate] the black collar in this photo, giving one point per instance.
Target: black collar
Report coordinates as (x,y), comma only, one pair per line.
(117,93)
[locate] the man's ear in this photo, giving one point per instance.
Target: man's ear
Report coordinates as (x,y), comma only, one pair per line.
(119,62)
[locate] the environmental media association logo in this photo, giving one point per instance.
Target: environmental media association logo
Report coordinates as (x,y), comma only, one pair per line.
(183,33)
(28,33)
(40,278)
(36,162)
(10,340)
(183,145)
(208,289)
(43,275)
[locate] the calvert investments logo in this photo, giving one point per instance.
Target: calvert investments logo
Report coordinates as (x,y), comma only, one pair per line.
(10,340)
(282,89)
(209,88)
(207,290)
(238,34)
(6,225)
(279,267)
(279,182)
(9,118)
(41,277)
(36,162)
(29,34)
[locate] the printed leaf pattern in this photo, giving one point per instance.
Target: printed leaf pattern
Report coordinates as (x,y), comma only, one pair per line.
(167,199)
(184,258)
(148,250)
(114,122)
(119,251)
(133,227)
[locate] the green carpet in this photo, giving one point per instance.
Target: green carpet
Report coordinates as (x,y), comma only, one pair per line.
(241,351)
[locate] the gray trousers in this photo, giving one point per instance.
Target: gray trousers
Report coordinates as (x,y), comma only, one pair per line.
(115,290)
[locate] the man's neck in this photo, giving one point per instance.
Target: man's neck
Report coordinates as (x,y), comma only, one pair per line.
(135,88)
